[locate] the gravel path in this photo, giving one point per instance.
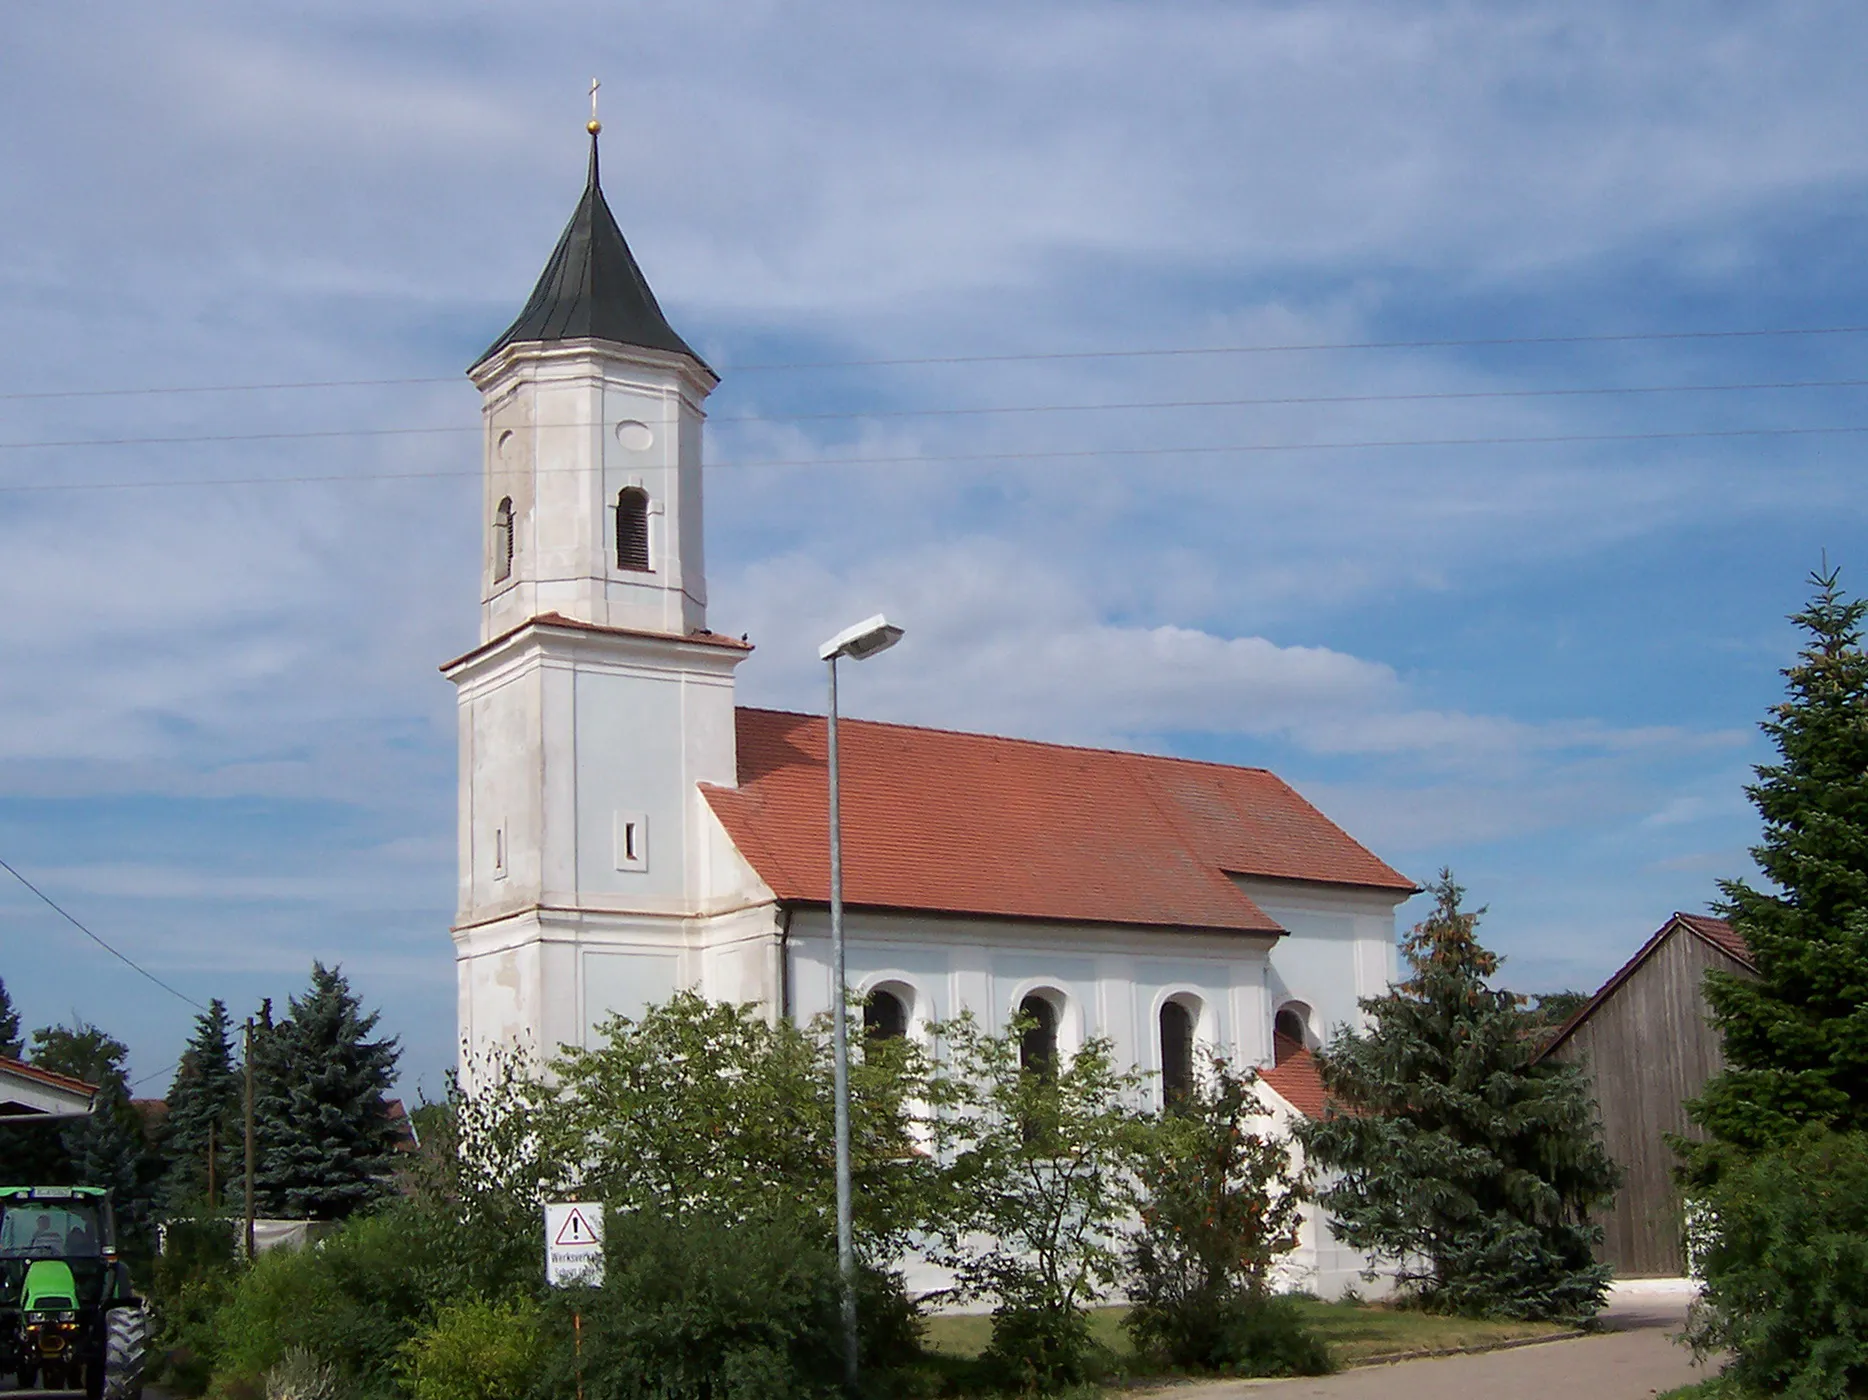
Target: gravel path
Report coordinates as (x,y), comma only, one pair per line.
(1633,1360)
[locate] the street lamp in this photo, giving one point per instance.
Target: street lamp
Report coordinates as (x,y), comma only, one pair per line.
(858,643)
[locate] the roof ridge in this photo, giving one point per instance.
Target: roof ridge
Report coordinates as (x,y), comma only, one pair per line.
(843,719)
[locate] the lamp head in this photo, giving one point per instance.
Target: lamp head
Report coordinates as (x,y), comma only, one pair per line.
(862,641)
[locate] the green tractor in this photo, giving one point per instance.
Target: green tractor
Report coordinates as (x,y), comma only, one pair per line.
(69,1319)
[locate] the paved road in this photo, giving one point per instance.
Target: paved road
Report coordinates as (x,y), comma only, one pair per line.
(1632,1360)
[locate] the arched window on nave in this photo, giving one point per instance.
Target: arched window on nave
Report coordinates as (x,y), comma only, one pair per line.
(1037,1045)
(1289,1033)
(1176,1052)
(885,1016)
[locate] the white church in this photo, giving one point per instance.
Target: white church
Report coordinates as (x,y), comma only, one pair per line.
(626,829)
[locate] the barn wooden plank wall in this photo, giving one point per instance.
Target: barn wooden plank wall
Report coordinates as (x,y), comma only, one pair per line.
(1649,1048)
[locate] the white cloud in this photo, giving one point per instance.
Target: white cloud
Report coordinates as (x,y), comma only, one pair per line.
(214,195)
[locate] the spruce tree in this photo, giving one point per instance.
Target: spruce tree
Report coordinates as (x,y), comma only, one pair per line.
(1796,1037)
(1457,1154)
(11,1046)
(204,1103)
(325,1141)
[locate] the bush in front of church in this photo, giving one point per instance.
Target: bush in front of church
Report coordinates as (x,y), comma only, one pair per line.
(1221,1204)
(1041,1152)
(700,1310)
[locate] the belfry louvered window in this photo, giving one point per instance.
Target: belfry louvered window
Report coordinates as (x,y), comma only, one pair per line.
(632,529)
(502,541)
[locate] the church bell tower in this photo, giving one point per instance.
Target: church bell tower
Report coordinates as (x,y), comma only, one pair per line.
(597,700)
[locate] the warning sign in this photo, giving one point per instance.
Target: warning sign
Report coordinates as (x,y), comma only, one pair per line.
(574,1244)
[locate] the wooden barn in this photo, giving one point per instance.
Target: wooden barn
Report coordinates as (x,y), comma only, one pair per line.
(1646,1040)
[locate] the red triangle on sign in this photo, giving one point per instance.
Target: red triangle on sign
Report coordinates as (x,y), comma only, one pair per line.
(576,1230)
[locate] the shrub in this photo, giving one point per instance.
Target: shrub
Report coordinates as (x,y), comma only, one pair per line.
(1038,1348)
(189,1282)
(475,1350)
(1222,1205)
(1042,1168)
(695,1308)
(298,1375)
(1238,1334)
(1786,1269)
(350,1302)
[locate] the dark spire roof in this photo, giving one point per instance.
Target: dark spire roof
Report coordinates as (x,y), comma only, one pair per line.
(591,288)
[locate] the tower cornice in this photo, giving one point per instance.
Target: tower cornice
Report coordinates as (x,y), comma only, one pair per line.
(570,359)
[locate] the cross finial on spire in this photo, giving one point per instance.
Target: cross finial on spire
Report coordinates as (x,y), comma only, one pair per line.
(593,126)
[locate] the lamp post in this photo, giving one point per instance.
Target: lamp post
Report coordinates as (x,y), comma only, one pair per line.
(858,643)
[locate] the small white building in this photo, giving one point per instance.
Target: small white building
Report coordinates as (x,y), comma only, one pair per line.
(627,830)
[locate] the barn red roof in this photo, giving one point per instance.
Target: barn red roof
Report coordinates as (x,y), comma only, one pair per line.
(971,823)
(1717,932)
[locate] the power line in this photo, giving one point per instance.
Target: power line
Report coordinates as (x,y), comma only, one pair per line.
(858,415)
(916,459)
(121,957)
(156,1074)
(1450,343)
(1281,400)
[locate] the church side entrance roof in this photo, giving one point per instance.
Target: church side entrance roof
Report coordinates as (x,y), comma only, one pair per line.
(939,821)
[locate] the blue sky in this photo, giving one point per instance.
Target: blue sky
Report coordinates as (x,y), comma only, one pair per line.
(223,741)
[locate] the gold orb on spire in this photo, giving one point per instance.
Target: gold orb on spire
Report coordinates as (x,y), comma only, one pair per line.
(593,126)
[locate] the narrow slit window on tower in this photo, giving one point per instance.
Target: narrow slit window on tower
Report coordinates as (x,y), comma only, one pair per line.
(502,541)
(632,529)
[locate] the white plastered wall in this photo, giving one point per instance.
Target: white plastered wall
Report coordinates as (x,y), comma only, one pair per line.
(1339,948)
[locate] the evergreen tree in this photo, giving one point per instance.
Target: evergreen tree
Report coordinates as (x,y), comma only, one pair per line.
(11,1046)
(1461,1156)
(108,1148)
(1796,1038)
(325,1141)
(204,1102)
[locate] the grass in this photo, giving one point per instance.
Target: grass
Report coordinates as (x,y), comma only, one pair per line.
(1712,1388)
(1355,1332)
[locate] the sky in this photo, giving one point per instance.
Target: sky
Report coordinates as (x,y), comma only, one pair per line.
(1507,592)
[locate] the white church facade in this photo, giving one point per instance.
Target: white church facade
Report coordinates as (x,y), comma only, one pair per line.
(627,830)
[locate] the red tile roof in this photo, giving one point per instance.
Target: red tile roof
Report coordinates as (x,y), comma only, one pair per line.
(970,823)
(1717,932)
(46,1076)
(1297,1081)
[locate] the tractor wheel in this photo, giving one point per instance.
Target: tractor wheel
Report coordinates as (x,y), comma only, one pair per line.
(126,1345)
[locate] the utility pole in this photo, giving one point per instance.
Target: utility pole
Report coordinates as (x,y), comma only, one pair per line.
(249,1139)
